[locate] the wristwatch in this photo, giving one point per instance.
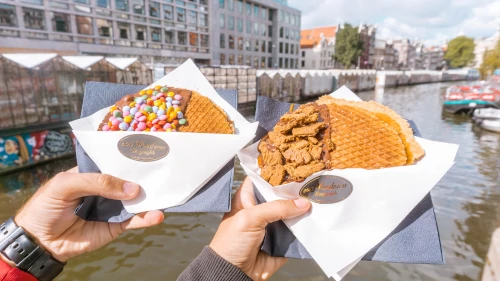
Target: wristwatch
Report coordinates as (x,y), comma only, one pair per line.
(20,248)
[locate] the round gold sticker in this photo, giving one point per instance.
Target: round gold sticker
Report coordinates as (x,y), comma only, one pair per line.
(143,148)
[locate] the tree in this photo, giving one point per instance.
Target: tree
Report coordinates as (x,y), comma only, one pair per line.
(348,46)
(491,61)
(460,52)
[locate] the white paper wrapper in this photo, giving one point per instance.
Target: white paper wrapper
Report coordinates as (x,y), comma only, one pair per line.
(338,235)
(193,159)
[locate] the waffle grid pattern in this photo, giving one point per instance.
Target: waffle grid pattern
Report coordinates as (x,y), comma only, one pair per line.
(203,116)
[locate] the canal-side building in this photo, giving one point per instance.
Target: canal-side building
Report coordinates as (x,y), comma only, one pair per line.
(406,54)
(258,33)
(167,31)
(386,56)
(317,47)
(367,34)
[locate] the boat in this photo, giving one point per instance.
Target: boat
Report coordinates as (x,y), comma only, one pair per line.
(488,119)
(466,99)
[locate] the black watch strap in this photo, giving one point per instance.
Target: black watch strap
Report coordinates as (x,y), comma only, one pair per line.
(20,248)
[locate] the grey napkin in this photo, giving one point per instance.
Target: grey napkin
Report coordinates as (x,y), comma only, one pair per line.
(415,240)
(215,196)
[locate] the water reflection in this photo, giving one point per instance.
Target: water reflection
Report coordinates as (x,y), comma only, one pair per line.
(465,201)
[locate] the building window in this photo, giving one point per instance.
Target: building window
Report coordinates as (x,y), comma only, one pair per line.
(34,19)
(263,29)
(124,30)
(168,12)
(270,15)
(122,5)
(256,11)
(222,42)
(281,16)
(138,7)
(263,13)
(256,48)
(204,40)
(56,5)
(256,62)
(249,26)
(263,62)
(287,33)
(192,17)
(303,63)
(240,25)
(231,59)
(140,33)
(104,27)
(270,31)
(248,45)
(203,19)
(230,22)
(256,28)
(181,38)
(169,36)
(281,63)
(222,21)
(84,25)
(269,47)
(240,59)
(269,63)
(193,39)
(292,20)
(192,6)
(248,61)
(262,46)
(181,14)
(286,48)
(61,22)
(240,43)
(303,53)
(231,42)
(180,3)
(240,6)
(34,2)
(287,18)
(281,47)
(154,9)
(103,4)
(222,59)
(248,8)
(221,4)
(286,63)
(281,32)
(155,35)
(230,5)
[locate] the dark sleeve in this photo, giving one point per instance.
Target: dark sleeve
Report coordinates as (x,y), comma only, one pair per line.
(210,266)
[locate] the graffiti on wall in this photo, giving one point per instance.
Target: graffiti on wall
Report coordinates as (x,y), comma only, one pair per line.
(33,147)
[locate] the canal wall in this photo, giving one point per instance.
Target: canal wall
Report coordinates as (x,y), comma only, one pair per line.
(292,85)
(27,149)
(491,270)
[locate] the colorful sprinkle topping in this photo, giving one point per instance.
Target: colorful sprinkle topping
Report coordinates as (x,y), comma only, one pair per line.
(154,110)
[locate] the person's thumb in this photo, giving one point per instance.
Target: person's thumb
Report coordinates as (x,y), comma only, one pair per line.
(68,186)
(269,212)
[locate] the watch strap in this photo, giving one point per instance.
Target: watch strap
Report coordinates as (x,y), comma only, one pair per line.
(20,248)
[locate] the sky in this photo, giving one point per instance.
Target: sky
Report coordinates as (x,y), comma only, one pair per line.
(432,21)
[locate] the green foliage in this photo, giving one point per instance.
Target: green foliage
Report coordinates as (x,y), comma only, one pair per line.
(348,46)
(460,52)
(491,61)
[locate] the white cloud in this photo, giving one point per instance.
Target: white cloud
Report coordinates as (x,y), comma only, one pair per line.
(432,21)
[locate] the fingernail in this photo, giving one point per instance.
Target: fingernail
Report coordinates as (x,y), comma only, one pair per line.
(130,188)
(301,203)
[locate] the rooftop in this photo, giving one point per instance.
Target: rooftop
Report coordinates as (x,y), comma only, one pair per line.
(310,37)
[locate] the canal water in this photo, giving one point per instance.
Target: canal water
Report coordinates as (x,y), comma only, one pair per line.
(466,201)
